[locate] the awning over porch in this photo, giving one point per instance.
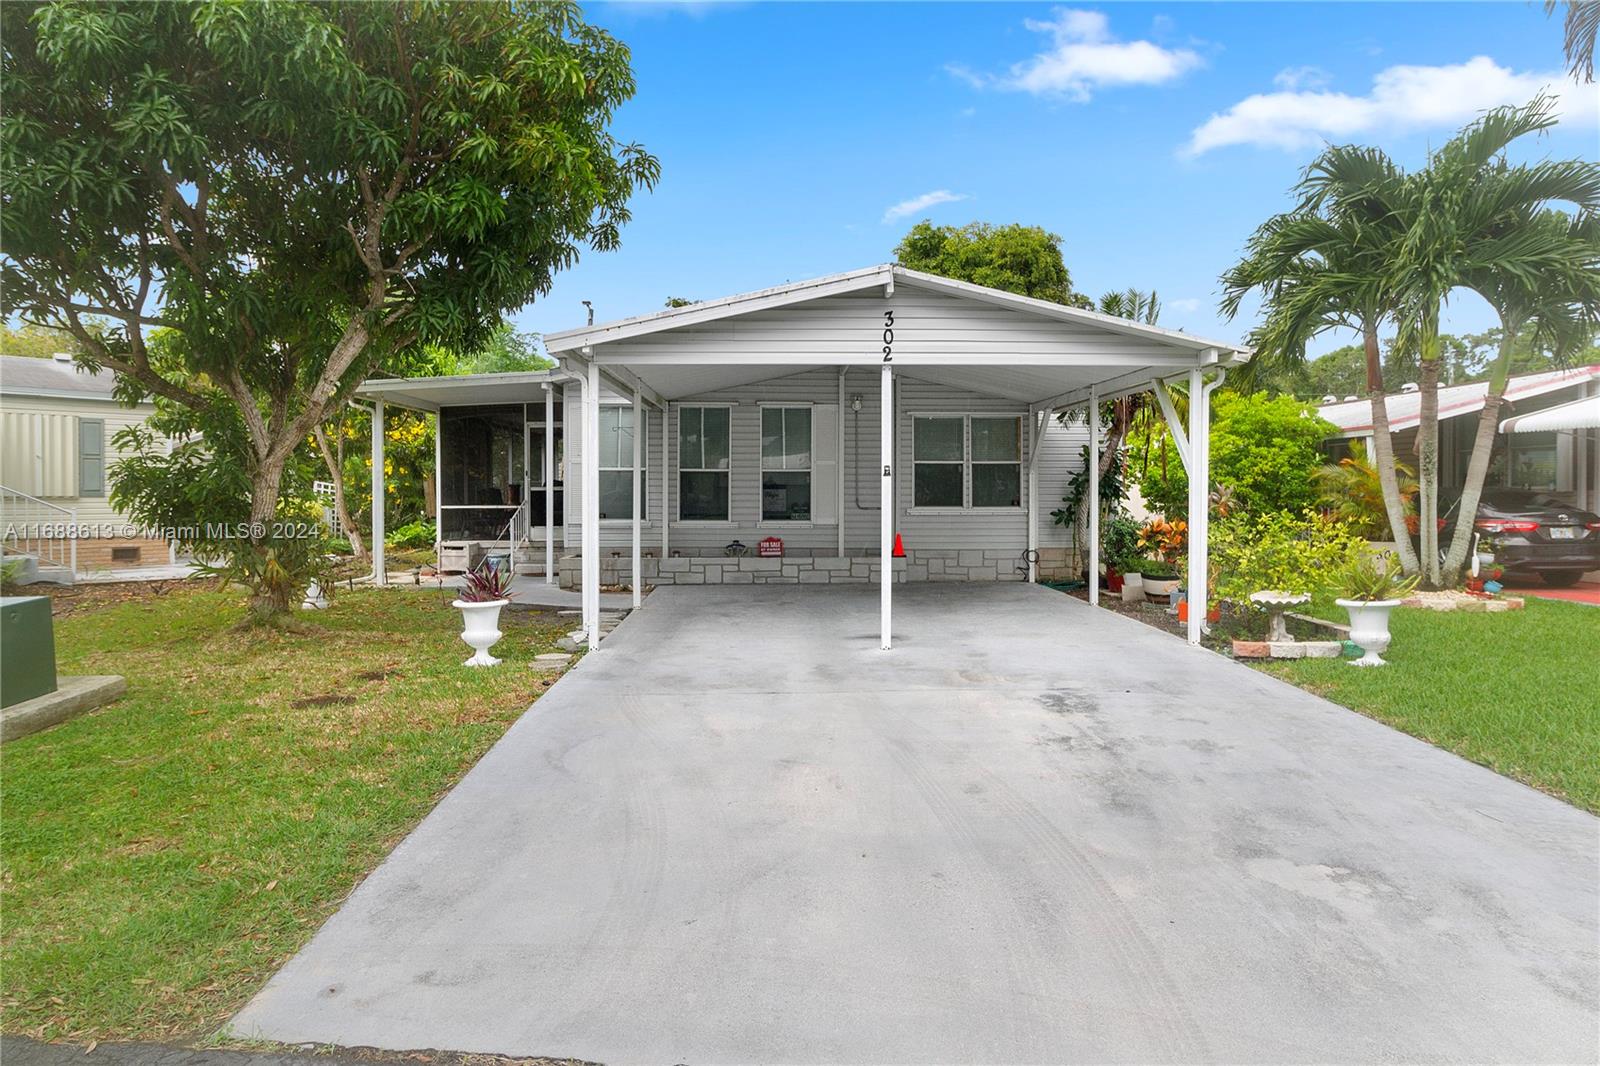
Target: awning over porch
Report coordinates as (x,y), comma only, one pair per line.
(912,326)
(430,394)
(1582,413)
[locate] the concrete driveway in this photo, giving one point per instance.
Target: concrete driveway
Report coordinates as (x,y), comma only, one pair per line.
(1034,832)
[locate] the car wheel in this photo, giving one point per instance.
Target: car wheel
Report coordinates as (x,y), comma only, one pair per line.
(1561,579)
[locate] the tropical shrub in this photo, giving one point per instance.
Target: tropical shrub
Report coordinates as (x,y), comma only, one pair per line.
(412,535)
(1298,553)
(1263,448)
(1119,542)
(485,585)
(1166,539)
(1351,490)
(1369,576)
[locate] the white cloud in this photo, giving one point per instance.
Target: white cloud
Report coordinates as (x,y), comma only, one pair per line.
(1187,305)
(1084,57)
(1402,98)
(918,204)
(1294,79)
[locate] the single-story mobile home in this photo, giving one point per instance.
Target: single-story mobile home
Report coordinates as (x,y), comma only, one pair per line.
(832,430)
(58,428)
(1556,452)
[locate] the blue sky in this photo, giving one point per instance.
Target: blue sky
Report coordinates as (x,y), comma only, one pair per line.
(796,139)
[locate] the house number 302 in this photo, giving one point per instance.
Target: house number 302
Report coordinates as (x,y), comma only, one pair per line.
(888,336)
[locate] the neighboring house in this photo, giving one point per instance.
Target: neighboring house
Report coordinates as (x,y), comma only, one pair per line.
(57,428)
(762,420)
(1564,461)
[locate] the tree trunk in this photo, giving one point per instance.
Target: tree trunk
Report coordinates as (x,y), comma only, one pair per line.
(1428,452)
(335,464)
(1482,450)
(1383,452)
(269,598)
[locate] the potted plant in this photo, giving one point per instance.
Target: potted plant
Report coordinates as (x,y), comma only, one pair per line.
(484,591)
(1371,591)
(1160,578)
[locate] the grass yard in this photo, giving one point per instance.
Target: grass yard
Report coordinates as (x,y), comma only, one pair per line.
(1516,692)
(160,858)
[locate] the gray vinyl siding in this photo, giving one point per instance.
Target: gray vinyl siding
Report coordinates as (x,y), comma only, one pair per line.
(860,471)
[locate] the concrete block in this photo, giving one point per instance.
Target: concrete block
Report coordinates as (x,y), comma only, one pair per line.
(1286,649)
(693,577)
(73,696)
(712,575)
(791,570)
(738,577)
(917,572)
(1323,649)
(1250,649)
(675,566)
(760,565)
(970,558)
(833,565)
(815,577)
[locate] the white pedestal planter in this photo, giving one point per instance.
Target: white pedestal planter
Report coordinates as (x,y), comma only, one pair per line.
(316,599)
(480,628)
(1369,628)
(1276,602)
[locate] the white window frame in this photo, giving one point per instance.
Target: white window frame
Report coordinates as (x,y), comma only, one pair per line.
(644,469)
(967,462)
(678,436)
(809,469)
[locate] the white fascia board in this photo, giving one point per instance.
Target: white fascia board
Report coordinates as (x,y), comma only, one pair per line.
(712,310)
(867,358)
(64,394)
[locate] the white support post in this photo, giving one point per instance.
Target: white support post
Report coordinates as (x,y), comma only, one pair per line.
(1039,422)
(1094,495)
(549,484)
(638,500)
(666,491)
(1198,501)
(589,464)
(886,510)
(438,482)
(380,575)
(839,532)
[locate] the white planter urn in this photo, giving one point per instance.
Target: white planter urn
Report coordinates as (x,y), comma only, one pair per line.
(480,628)
(316,599)
(1369,628)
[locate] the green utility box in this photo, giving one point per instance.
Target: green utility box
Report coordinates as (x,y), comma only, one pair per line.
(27,649)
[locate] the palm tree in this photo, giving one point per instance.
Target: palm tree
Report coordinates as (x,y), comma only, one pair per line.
(1474,220)
(1121,415)
(1581,26)
(1324,266)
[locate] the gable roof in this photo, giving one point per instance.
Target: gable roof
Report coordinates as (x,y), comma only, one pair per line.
(24,376)
(884,275)
(1354,417)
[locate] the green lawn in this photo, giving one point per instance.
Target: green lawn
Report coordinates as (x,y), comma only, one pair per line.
(160,858)
(1518,692)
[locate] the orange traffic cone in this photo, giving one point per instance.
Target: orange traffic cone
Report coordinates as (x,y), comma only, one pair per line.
(899,548)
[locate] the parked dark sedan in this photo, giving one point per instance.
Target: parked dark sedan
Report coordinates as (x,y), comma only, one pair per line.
(1534,533)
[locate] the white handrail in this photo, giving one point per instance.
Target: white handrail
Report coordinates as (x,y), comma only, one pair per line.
(24,522)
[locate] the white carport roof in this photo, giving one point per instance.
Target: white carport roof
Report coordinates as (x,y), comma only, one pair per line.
(429,394)
(687,351)
(1582,413)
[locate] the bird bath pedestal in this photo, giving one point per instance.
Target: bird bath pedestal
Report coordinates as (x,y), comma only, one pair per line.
(1276,603)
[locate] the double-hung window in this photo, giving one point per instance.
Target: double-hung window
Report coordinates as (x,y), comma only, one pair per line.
(616,464)
(703,467)
(966,461)
(786,464)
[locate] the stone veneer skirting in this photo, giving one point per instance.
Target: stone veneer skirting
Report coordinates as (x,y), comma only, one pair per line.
(966,564)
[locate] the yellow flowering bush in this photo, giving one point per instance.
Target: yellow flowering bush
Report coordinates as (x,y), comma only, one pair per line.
(1280,550)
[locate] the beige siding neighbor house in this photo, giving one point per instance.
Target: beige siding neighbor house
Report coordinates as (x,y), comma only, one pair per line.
(58,428)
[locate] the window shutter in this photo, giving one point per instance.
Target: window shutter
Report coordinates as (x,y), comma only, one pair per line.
(825,463)
(91,457)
